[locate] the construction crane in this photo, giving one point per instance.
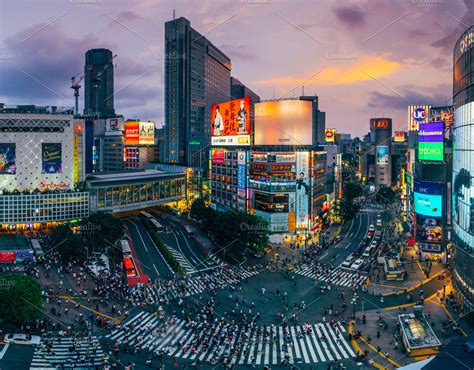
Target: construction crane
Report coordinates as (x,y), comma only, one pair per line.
(76,83)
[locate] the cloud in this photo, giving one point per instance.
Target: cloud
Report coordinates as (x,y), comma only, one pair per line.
(365,69)
(352,16)
(402,97)
(129,16)
(239,52)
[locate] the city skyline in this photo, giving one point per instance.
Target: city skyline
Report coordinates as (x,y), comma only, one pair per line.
(359,65)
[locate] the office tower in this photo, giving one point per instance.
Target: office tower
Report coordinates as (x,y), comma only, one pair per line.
(99,83)
(197,75)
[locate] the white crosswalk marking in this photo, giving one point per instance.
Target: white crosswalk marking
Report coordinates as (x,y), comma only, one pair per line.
(182,260)
(251,345)
(197,284)
(69,352)
(349,279)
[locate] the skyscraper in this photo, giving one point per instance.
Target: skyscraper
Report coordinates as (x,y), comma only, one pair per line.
(99,83)
(197,75)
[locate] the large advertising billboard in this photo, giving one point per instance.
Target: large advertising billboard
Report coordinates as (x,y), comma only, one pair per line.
(218,157)
(382,155)
(7,159)
(428,198)
(399,136)
(230,122)
(417,114)
(139,133)
(429,230)
(285,122)
(302,189)
(329,135)
(431,141)
(51,158)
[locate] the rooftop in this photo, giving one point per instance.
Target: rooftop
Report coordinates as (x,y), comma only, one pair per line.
(417,331)
(35,109)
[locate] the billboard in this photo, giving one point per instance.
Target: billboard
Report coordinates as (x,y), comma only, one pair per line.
(302,189)
(230,122)
(381,123)
(7,159)
(399,136)
(329,134)
(139,133)
(218,157)
(429,230)
(51,158)
(382,155)
(428,198)
(431,141)
(285,122)
(443,114)
(417,114)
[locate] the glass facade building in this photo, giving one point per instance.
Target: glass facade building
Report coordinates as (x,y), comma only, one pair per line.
(463,169)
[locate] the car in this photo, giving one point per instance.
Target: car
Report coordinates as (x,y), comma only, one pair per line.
(379,222)
(22,339)
(371,228)
(357,264)
(373,244)
(366,253)
(347,262)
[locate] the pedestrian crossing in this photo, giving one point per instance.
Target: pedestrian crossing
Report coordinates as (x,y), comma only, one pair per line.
(198,283)
(371,210)
(337,276)
(236,345)
(186,266)
(70,353)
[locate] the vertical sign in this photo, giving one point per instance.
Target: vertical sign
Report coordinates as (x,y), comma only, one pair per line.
(302,189)
(241,180)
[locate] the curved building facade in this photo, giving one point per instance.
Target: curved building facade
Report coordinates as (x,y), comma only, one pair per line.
(463,169)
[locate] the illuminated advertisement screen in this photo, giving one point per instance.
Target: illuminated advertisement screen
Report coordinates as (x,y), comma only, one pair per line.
(302,189)
(285,122)
(417,114)
(399,136)
(382,155)
(51,158)
(431,141)
(7,159)
(218,157)
(230,122)
(139,133)
(428,198)
(329,135)
(429,230)
(443,114)
(381,123)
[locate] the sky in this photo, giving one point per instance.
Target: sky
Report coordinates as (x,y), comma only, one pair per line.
(363,58)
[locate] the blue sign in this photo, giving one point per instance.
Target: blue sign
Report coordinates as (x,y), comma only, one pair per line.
(420,114)
(428,198)
(241,176)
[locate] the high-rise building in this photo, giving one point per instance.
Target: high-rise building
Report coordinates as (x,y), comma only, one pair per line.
(197,75)
(463,169)
(99,83)
(238,91)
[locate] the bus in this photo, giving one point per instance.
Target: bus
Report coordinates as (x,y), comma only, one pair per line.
(189,231)
(37,250)
(129,266)
(156,225)
(127,252)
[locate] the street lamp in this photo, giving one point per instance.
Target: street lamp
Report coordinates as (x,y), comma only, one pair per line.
(354,302)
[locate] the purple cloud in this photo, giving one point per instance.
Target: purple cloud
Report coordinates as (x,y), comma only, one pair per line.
(352,16)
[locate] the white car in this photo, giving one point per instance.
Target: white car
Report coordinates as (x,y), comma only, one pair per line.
(347,262)
(379,222)
(371,228)
(357,264)
(22,339)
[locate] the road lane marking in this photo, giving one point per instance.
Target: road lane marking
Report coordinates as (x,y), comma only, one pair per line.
(4,350)
(140,235)
(156,270)
(324,255)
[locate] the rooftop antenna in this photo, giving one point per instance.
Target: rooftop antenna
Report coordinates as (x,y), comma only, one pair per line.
(302,90)
(174,14)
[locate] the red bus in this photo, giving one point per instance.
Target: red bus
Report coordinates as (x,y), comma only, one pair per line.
(130,268)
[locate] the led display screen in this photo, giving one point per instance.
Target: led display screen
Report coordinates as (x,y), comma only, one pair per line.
(428,198)
(230,122)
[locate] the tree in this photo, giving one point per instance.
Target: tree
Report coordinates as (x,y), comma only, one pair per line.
(69,245)
(199,211)
(20,298)
(348,209)
(352,190)
(100,230)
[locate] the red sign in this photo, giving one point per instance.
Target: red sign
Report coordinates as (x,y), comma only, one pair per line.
(7,257)
(132,133)
(218,157)
(380,123)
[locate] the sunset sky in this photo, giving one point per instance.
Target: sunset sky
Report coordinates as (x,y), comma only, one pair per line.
(363,58)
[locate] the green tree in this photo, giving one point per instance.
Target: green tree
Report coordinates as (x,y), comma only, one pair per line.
(20,298)
(348,209)
(69,245)
(199,211)
(352,190)
(100,230)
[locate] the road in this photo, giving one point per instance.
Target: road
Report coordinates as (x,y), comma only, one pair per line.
(353,234)
(148,254)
